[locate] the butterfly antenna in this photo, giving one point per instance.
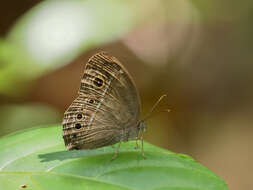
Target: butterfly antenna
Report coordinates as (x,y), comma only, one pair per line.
(153,108)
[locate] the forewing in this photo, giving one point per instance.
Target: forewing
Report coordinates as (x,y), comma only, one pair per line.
(108,102)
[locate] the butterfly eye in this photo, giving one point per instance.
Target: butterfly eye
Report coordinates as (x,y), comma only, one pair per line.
(79,116)
(91,101)
(78,126)
(98,82)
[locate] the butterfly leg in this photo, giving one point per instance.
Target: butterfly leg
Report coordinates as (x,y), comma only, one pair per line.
(116,152)
(142,147)
(137,146)
(137,138)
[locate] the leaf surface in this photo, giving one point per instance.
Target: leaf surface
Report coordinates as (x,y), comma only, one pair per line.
(38,159)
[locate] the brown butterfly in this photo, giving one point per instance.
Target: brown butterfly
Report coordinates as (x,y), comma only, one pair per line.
(107,109)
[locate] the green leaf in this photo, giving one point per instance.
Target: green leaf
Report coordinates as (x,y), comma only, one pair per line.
(15,117)
(53,33)
(36,158)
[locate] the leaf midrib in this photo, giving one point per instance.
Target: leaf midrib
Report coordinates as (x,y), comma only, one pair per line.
(77,176)
(65,175)
(106,153)
(26,155)
(102,153)
(116,170)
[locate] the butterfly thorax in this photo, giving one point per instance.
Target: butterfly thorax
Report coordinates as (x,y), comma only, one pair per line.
(132,132)
(142,126)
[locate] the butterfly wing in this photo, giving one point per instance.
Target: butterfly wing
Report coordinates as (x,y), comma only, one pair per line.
(107,109)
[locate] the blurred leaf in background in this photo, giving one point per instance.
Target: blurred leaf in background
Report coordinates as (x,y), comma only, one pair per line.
(54,32)
(15,117)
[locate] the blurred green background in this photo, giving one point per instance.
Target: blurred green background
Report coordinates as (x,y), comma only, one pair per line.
(198,52)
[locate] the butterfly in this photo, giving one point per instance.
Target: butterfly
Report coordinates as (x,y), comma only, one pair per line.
(107,109)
